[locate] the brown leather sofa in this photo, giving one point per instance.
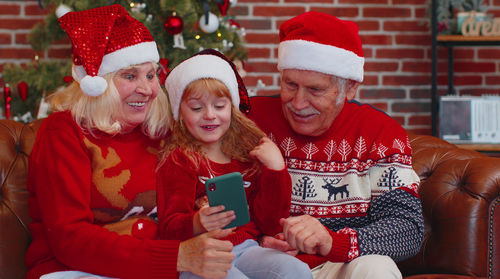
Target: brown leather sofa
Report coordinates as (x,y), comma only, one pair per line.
(460,193)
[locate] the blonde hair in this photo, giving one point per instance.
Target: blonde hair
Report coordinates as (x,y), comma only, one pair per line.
(101,112)
(241,137)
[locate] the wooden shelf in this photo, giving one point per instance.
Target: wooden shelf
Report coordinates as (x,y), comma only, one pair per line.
(461,38)
(480,147)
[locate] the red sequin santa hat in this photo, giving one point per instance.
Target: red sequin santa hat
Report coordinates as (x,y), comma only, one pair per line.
(106,39)
(208,63)
(323,43)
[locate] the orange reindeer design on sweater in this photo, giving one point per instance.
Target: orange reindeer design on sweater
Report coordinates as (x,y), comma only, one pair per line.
(109,187)
(111,182)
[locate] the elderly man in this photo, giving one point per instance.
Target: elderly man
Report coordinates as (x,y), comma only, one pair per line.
(355,205)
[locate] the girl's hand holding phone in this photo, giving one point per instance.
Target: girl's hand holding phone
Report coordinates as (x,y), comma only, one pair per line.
(210,218)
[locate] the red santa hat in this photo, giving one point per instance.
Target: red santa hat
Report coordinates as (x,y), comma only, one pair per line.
(323,43)
(106,39)
(208,63)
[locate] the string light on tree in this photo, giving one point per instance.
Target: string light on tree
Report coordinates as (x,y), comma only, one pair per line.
(137,7)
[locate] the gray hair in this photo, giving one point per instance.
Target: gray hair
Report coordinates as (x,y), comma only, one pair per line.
(341,87)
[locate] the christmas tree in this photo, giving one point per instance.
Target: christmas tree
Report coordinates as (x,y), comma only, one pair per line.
(180,28)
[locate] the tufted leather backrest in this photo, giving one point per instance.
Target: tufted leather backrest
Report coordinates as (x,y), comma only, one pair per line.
(460,192)
(16,141)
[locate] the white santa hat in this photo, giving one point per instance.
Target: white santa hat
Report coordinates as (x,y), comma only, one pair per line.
(106,39)
(206,64)
(323,43)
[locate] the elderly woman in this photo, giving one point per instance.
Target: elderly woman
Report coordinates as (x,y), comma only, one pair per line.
(92,168)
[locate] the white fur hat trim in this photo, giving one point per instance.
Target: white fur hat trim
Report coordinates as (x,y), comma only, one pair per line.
(327,59)
(119,59)
(198,67)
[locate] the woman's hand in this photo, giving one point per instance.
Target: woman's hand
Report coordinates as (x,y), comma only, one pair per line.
(211,218)
(268,154)
(206,255)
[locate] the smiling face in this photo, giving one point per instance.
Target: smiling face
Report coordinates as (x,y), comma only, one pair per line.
(137,86)
(207,115)
(311,100)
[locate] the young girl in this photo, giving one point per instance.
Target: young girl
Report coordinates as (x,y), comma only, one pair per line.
(211,137)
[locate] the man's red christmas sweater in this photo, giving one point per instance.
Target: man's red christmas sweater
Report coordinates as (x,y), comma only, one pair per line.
(356,178)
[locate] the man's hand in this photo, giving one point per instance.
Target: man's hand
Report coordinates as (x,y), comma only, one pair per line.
(278,242)
(307,234)
(206,255)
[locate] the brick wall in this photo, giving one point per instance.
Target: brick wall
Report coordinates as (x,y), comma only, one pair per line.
(395,37)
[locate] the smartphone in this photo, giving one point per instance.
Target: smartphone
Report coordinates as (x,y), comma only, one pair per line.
(228,190)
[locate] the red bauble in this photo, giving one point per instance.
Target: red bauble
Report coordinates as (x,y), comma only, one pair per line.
(174,24)
(224,7)
(22,89)
(145,229)
(68,79)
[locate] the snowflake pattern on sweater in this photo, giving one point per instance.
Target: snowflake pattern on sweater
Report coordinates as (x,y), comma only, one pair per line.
(356,178)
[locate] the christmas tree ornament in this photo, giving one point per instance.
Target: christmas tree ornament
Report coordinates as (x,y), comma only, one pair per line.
(22,89)
(206,9)
(226,45)
(233,24)
(223,7)
(163,70)
(174,25)
(106,39)
(62,10)
(260,85)
(68,79)
(6,100)
(209,24)
(43,108)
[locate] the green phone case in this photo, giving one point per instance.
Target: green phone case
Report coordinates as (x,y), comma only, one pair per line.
(228,190)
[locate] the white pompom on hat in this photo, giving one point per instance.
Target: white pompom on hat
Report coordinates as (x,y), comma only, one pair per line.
(322,43)
(106,39)
(206,64)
